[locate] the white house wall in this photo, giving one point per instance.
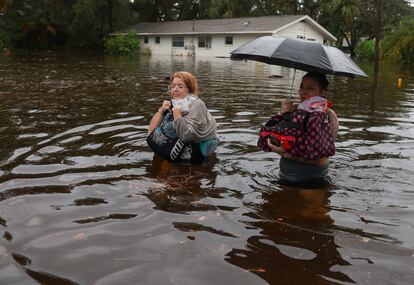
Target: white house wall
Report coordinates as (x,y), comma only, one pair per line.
(218,46)
(301,29)
(164,47)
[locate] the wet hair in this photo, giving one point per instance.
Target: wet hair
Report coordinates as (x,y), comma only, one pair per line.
(320,78)
(189,80)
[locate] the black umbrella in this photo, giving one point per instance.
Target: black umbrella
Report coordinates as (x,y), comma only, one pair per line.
(298,54)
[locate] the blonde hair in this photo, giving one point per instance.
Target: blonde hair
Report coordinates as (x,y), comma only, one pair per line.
(189,80)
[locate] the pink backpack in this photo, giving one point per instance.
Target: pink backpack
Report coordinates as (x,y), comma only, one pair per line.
(312,132)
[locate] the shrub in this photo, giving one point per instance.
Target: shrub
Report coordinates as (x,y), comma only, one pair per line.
(366,50)
(146,51)
(127,44)
(5,41)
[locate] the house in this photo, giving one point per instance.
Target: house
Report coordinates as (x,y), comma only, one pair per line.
(218,37)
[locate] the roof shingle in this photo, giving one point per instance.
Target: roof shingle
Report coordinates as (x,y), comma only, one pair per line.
(216,26)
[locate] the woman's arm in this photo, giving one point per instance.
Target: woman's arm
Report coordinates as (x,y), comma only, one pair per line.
(283,153)
(198,124)
(157,118)
(333,120)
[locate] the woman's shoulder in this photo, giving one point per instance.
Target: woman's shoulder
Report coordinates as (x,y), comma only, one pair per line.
(197,100)
(332,113)
(198,104)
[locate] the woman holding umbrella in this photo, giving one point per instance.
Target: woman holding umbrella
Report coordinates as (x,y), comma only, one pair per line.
(305,133)
(306,149)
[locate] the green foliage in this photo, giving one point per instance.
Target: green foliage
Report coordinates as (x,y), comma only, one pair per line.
(398,45)
(93,20)
(366,50)
(83,30)
(83,24)
(354,19)
(5,42)
(127,44)
(56,24)
(229,8)
(38,24)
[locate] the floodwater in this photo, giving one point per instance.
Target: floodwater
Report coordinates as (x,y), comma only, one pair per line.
(84,201)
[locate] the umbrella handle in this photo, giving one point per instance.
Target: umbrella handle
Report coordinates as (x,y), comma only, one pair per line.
(293,81)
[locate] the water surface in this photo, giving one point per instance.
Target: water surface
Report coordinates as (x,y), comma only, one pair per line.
(84,201)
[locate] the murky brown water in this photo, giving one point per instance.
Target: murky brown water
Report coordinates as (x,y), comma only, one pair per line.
(83,201)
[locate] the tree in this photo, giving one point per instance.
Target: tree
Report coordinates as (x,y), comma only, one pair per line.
(353,19)
(93,20)
(80,24)
(341,17)
(35,24)
(5,37)
(229,8)
(312,8)
(398,45)
(378,36)
(54,24)
(154,10)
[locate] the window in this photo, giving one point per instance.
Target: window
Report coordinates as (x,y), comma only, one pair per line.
(145,40)
(157,40)
(312,40)
(204,42)
(178,41)
(228,40)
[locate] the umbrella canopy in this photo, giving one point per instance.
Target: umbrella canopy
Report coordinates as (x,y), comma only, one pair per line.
(298,54)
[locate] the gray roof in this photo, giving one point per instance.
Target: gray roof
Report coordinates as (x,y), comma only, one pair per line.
(266,24)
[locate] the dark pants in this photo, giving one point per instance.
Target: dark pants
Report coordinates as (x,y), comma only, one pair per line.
(294,172)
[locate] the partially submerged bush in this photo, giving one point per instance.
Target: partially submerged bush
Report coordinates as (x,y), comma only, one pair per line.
(5,42)
(126,44)
(146,51)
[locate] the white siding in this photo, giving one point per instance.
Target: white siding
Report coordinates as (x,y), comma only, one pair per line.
(164,47)
(301,29)
(218,46)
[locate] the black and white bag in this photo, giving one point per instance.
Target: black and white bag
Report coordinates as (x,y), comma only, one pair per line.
(164,141)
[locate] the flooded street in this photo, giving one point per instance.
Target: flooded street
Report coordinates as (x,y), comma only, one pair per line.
(83,200)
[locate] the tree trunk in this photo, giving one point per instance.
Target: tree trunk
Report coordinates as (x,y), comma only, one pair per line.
(378,40)
(351,45)
(295,7)
(110,12)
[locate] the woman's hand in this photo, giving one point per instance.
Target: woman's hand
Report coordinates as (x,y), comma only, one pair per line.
(274,148)
(287,106)
(176,112)
(157,118)
(165,106)
(279,150)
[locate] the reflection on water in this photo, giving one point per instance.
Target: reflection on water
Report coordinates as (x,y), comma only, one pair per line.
(295,239)
(84,201)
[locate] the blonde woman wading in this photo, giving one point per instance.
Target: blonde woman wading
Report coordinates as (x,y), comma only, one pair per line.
(182,129)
